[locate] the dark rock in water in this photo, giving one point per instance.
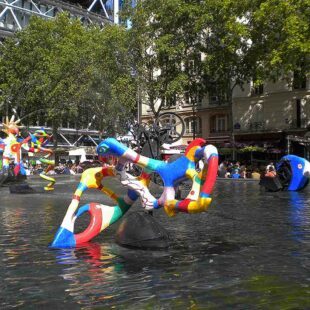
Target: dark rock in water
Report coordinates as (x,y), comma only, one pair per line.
(272,184)
(7,177)
(141,230)
(24,189)
(3,178)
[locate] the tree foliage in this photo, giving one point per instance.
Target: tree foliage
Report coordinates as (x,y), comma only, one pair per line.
(194,47)
(251,148)
(280,37)
(64,68)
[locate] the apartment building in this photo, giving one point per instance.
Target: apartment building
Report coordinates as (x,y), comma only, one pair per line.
(208,118)
(274,116)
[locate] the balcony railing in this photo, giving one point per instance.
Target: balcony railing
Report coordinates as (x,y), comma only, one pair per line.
(251,127)
(218,131)
(256,126)
(263,126)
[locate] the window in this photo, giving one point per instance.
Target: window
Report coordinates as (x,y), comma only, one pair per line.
(257,86)
(300,80)
(193,124)
(217,95)
(257,89)
(214,100)
(218,123)
(170,102)
(257,117)
(193,99)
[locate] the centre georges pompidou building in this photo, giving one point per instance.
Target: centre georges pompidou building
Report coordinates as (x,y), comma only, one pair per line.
(15,14)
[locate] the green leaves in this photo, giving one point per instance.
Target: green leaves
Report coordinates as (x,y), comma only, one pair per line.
(237,40)
(250,148)
(57,65)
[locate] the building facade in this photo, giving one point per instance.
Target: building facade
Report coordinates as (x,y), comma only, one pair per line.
(208,119)
(274,116)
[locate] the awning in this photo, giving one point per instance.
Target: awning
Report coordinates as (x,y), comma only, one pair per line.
(275,151)
(301,140)
(219,139)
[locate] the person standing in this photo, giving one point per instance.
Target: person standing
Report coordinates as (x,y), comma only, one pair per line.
(222,169)
(270,165)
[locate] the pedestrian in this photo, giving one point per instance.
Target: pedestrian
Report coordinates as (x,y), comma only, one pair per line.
(243,172)
(271,172)
(270,165)
(222,169)
(255,174)
(235,174)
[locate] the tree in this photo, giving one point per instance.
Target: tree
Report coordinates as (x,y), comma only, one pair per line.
(55,65)
(197,47)
(187,48)
(111,95)
(158,47)
(280,37)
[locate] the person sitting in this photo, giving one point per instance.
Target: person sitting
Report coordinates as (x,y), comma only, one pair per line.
(227,175)
(270,165)
(255,174)
(271,172)
(243,173)
(235,174)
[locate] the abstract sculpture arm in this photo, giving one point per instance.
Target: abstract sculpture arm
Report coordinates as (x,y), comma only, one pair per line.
(38,139)
(101,215)
(199,197)
(2,145)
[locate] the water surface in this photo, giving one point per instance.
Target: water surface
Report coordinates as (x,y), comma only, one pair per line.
(250,250)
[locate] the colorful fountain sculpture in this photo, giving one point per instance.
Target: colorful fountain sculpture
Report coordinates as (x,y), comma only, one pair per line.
(101,216)
(12,146)
(38,140)
(293,174)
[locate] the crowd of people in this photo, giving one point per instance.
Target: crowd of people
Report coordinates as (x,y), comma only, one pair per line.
(226,169)
(237,170)
(68,167)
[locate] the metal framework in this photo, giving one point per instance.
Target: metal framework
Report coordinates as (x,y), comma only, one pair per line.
(15,14)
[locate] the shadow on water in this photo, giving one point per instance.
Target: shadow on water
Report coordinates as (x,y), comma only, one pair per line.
(137,259)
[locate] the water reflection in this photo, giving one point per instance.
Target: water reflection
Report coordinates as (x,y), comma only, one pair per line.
(300,216)
(106,271)
(90,270)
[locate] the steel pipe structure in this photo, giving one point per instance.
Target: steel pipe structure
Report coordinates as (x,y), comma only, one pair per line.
(15,14)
